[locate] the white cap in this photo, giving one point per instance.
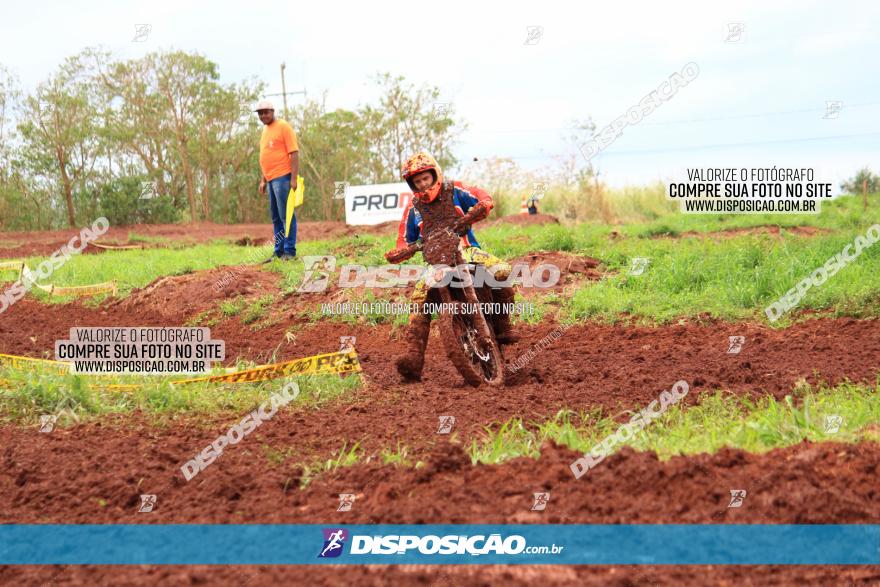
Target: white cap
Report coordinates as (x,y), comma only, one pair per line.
(264,105)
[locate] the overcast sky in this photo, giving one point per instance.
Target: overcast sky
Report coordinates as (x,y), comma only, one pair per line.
(759,99)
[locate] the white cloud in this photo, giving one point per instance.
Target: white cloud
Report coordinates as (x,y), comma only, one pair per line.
(592,60)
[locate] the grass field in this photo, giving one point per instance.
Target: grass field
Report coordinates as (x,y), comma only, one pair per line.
(719,420)
(694,271)
(732,278)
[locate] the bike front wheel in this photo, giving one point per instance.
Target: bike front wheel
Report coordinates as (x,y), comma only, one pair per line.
(470,344)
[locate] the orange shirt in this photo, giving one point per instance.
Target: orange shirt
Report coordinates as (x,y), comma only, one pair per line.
(277,142)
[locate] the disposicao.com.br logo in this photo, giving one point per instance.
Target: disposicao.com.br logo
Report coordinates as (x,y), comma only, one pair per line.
(480,544)
(334,542)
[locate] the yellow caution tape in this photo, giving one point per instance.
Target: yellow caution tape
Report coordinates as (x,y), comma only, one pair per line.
(339,362)
(119,386)
(17,362)
(99,386)
(346,362)
(14,265)
(57,290)
(116,247)
(84,290)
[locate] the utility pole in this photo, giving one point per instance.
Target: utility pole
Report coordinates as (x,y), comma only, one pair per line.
(284,91)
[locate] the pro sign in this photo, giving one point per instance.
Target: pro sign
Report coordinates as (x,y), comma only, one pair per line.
(376,203)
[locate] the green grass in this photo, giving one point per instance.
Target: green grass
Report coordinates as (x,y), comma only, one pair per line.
(344,457)
(134,237)
(719,420)
(731,279)
(137,268)
(257,309)
(207,318)
(844,213)
(277,456)
(399,457)
(233,307)
(30,394)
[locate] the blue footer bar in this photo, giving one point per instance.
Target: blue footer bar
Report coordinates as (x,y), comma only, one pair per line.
(649,544)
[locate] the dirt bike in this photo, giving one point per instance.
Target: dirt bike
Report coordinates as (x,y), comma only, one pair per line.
(467,333)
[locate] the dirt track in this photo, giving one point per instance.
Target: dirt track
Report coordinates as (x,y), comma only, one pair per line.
(94,472)
(22,244)
(446,576)
(809,484)
(610,366)
(627,367)
(805,484)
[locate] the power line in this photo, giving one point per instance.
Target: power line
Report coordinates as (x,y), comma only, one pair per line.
(748,144)
(682,121)
(759,115)
(716,146)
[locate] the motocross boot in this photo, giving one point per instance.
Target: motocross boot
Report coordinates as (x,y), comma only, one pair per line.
(503,329)
(410,364)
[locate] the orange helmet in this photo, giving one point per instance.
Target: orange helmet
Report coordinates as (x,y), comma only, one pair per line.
(417,164)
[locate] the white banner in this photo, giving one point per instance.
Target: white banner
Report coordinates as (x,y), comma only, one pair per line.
(375,204)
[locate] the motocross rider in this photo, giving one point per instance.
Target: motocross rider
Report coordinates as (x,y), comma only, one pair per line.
(470,204)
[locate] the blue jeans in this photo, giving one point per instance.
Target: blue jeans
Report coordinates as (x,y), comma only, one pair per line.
(278,189)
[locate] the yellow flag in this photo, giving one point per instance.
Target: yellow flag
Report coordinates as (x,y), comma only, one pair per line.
(294,200)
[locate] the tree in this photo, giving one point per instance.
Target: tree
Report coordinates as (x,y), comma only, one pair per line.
(191,135)
(134,121)
(60,131)
(225,148)
(333,148)
(99,125)
(854,184)
(9,95)
(184,82)
(407,120)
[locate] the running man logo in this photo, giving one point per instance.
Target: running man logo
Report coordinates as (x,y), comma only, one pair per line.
(141,32)
(317,274)
(441,110)
(737,496)
(446,424)
(534,34)
(148,190)
(832,423)
(47,422)
(339,189)
(147,503)
(346,500)
(639,264)
(538,189)
(832,109)
(346,344)
(334,542)
(541,501)
(735,344)
(735,32)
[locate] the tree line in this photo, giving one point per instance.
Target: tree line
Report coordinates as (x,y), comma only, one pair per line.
(161,138)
